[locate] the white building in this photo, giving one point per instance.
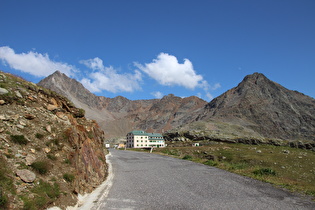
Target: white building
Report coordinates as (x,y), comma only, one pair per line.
(141,139)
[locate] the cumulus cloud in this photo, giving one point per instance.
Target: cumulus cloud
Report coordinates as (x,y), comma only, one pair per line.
(107,78)
(157,94)
(34,63)
(166,70)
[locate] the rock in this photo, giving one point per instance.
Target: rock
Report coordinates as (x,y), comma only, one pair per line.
(3,91)
(18,94)
(53,102)
(47,149)
(258,151)
(62,115)
(51,107)
(286,151)
(48,128)
(30,159)
(3,78)
(20,126)
(22,123)
(26,175)
(2,102)
(29,116)
(33,151)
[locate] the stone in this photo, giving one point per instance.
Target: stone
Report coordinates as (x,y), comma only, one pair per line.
(2,102)
(48,128)
(53,101)
(51,107)
(62,115)
(258,151)
(18,94)
(26,175)
(22,123)
(47,149)
(30,159)
(20,126)
(29,116)
(3,91)
(33,151)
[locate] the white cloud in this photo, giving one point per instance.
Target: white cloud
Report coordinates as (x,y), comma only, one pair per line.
(34,63)
(107,78)
(167,71)
(157,94)
(216,86)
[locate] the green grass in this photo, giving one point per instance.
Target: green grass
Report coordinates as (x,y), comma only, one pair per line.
(39,135)
(42,167)
(6,184)
(264,171)
(69,177)
(45,193)
(19,139)
(294,170)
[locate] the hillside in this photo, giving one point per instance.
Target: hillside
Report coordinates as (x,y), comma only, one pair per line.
(49,152)
(265,107)
(117,116)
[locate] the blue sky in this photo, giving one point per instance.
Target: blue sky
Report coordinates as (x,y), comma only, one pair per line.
(145,49)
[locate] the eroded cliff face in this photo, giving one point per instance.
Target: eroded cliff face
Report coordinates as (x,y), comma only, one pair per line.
(49,152)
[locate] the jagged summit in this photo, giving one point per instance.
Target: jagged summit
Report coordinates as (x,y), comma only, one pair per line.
(266,107)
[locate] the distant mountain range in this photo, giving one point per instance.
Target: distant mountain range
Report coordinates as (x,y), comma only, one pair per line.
(256,107)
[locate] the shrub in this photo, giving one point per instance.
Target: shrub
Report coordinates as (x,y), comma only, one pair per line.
(3,200)
(39,135)
(187,157)
(51,157)
(19,139)
(67,161)
(211,163)
(46,193)
(264,171)
(41,167)
(68,177)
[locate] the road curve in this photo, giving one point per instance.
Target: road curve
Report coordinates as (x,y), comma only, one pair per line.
(150,181)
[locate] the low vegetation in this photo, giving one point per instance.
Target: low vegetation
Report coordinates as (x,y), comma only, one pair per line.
(41,167)
(291,168)
(19,139)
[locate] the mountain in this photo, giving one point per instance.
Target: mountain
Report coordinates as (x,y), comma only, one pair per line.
(266,108)
(117,116)
(49,152)
(257,107)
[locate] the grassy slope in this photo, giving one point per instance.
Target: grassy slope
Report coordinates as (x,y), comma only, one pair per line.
(291,168)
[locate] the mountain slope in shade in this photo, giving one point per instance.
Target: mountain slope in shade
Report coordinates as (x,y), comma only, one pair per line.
(265,107)
(117,116)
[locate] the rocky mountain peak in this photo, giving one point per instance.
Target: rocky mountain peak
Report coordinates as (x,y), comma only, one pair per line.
(266,107)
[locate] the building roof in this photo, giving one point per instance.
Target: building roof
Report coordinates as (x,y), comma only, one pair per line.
(142,133)
(139,133)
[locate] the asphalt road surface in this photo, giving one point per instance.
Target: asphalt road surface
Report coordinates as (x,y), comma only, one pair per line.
(150,181)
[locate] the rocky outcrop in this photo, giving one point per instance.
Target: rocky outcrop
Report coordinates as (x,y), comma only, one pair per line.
(46,141)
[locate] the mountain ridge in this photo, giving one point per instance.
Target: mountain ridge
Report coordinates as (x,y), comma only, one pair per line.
(111,113)
(257,107)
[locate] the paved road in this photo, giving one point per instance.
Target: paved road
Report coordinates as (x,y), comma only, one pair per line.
(150,181)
